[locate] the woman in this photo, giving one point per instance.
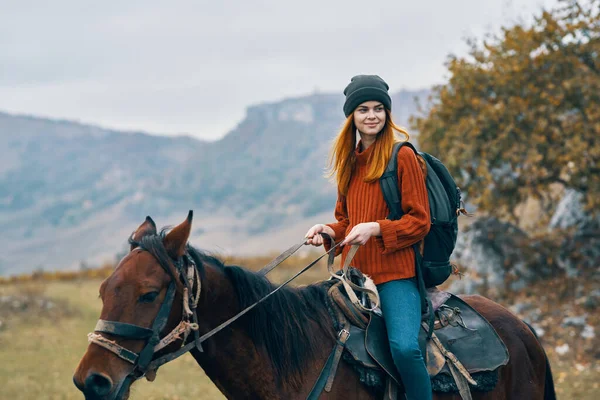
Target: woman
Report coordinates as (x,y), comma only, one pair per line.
(386,253)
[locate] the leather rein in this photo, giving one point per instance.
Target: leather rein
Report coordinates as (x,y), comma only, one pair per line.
(144,362)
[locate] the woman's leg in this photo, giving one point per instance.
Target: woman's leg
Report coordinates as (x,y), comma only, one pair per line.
(401,307)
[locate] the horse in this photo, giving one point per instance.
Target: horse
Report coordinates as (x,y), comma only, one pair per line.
(276,351)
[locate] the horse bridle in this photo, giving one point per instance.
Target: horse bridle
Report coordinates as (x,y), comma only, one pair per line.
(143,361)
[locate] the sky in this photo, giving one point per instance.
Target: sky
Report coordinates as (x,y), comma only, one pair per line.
(192,67)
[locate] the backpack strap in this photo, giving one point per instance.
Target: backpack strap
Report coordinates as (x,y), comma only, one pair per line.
(391,194)
(389,183)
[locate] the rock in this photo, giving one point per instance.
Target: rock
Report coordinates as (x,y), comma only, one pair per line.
(498,255)
(16,304)
(1,325)
(574,321)
(591,303)
(580,248)
(562,350)
(540,332)
(588,332)
(520,308)
(569,212)
(533,316)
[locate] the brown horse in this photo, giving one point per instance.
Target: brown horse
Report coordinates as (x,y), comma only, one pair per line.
(276,351)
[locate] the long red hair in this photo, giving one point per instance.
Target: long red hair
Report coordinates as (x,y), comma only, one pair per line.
(342,158)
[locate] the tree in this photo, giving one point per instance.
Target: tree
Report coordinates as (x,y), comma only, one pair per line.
(521,112)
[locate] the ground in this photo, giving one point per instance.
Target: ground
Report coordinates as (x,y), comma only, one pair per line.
(44,325)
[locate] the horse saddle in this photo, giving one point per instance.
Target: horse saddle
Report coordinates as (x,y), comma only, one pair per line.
(460,329)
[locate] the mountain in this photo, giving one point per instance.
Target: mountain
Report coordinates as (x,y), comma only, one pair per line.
(72,193)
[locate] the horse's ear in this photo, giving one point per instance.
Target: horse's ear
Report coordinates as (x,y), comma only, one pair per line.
(177,239)
(148,227)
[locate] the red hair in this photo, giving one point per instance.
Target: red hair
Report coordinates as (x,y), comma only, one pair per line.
(342,158)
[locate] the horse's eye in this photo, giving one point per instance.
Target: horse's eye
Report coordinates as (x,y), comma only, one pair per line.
(148,297)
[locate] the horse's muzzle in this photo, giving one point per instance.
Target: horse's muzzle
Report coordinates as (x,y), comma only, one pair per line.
(98,386)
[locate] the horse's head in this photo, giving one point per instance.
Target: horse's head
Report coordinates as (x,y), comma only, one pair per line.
(142,302)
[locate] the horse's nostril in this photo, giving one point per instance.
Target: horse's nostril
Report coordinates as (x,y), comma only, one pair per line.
(98,384)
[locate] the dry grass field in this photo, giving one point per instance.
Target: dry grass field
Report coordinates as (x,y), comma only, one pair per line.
(43,338)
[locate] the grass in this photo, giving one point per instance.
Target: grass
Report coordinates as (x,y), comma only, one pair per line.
(40,351)
(38,356)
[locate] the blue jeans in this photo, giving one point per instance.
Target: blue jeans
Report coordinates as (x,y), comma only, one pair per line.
(401,306)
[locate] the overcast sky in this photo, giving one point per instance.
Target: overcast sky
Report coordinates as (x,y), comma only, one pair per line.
(194,66)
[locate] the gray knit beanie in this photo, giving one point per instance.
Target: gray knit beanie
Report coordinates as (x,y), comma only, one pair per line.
(366,88)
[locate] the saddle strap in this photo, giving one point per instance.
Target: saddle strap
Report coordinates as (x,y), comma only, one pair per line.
(339,348)
(450,356)
(453,360)
(391,389)
(461,382)
(327,374)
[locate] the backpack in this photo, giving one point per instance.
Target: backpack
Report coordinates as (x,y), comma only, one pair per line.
(433,267)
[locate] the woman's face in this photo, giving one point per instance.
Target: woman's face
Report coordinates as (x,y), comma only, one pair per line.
(369,117)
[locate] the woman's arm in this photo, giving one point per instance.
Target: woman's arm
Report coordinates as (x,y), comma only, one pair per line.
(339,227)
(414,225)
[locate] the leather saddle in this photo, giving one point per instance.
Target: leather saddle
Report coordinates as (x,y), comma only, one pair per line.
(460,329)
(474,342)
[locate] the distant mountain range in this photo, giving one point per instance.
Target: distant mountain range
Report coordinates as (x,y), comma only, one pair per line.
(72,193)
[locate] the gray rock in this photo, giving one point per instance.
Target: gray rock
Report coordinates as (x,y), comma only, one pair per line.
(540,332)
(574,321)
(496,252)
(580,248)
(588,332)
(591,302)
(562,350)
(520,308)
(534,315)
(569,211)
(17,304)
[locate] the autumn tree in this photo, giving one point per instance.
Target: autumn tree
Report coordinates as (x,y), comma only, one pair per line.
(520,114)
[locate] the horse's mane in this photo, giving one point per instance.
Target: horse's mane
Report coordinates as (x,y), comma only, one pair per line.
(286,325)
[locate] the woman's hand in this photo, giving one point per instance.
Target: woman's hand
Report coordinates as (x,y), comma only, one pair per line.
(314,234)
(361,233)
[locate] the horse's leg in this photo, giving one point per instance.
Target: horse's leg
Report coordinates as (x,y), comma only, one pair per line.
(524,375)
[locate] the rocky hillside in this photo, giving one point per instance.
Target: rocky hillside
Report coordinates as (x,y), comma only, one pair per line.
(71,192)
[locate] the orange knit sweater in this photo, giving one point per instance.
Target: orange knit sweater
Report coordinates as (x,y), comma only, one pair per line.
(389,256)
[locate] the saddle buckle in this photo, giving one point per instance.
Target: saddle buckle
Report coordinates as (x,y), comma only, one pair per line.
(343,335)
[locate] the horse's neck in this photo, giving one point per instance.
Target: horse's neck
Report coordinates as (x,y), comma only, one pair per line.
(230,358)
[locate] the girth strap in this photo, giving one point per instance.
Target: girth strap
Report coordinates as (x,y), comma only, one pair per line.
(337,354)
(325,379)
